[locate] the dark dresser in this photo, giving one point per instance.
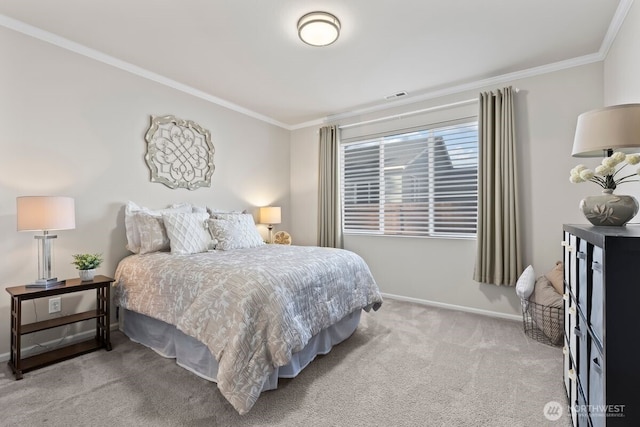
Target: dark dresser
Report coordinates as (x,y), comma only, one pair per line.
(602,324)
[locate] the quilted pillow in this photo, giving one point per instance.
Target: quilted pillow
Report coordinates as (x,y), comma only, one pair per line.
(238,233)
(187,232)
(131,224)
(151,233)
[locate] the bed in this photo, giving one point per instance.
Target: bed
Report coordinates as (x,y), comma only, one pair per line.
(245,316)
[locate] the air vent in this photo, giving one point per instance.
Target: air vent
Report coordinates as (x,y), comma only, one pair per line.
(396,95)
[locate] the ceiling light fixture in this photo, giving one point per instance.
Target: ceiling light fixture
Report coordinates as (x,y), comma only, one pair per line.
(318,28)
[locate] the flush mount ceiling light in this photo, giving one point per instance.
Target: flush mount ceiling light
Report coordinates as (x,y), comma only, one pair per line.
(318,28)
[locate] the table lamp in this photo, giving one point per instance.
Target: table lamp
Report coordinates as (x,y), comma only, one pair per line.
(45,213)
(270,215)
(601,132)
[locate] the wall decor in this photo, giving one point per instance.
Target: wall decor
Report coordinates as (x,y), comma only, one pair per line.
(179,153)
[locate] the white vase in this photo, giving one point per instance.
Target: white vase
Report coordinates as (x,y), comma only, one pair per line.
(609,209)
(87,275)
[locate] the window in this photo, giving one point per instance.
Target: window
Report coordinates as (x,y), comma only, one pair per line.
(419,183)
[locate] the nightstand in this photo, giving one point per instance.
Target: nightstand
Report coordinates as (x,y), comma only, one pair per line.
(101,313)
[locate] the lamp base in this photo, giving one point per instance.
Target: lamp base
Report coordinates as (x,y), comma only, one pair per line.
(46,283)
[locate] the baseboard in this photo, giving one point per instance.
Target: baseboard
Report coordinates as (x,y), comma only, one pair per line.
(454,307)
(81,336)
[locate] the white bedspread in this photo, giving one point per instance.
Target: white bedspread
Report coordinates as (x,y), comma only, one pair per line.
(253,308)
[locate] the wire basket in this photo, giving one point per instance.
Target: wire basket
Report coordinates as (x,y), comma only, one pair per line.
(543,323)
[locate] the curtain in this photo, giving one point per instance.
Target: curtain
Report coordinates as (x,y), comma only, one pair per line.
(498,253)
(329,224)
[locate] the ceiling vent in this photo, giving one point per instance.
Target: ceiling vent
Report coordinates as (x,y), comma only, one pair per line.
(395,95)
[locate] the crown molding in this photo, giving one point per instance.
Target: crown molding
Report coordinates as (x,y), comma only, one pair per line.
(614,27)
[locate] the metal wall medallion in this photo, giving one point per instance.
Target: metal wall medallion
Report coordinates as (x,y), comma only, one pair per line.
(179,153)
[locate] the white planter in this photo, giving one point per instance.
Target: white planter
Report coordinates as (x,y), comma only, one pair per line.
(87,275)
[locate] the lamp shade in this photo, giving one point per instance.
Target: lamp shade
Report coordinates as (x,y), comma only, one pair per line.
(318,28)
(616,128)
(270,215)
(45,213)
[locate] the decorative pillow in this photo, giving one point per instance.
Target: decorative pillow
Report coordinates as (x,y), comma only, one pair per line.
(130,224)
(525,283)
(556,277)
(152,234)
(228,215)
(187,232)
(548,311)
(235,234)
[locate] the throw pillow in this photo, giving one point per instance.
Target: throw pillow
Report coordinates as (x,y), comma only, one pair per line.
(525,283)
(131,224)
(235,234)
(187,232)
(556,277)
(152,234)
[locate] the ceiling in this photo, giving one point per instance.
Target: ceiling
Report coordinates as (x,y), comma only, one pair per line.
(245,54)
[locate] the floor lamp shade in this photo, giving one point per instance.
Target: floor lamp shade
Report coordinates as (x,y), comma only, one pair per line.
(45,213)
(614,128)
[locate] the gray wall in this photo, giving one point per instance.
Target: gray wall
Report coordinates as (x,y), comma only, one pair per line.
(439,270)
(74,126)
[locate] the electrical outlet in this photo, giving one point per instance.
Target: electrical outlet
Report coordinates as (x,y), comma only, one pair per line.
(54,305)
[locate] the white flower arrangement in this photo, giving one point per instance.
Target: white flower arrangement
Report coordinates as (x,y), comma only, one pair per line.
(605,174)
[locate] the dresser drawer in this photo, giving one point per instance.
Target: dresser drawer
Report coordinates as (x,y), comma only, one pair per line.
(569,259)
(582,363)
(596,309)
(567,367)
(583,258)
(596,392)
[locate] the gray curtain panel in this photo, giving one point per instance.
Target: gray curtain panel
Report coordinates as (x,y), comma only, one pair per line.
(329,223)
(498,255)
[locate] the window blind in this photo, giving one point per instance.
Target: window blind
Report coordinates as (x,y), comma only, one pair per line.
(419,183)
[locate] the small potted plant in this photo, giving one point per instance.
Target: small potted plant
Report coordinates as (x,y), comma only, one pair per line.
(86,265)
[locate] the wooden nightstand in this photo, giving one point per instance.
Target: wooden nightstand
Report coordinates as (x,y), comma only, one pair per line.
(101,313)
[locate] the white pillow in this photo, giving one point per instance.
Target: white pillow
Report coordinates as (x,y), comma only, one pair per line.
(187,232)
(526,283)
(130,224)
(239,233)
(151,233)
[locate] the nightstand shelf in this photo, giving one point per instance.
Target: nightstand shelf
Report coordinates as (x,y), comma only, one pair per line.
(61,321)
(101,314)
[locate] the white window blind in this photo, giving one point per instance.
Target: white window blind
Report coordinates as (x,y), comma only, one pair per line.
(419,183)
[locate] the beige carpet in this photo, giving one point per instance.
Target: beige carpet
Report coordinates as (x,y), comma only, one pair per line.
(406,365)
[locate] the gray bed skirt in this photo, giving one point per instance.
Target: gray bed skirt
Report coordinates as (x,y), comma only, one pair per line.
(193,355)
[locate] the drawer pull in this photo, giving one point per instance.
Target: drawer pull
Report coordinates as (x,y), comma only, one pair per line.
(596,266)
(572,310)
(582,255)
(596,365)
(565,296)
(577,332)
(565,350)
(571,374)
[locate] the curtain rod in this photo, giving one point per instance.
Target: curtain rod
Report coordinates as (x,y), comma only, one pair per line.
(411,113)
